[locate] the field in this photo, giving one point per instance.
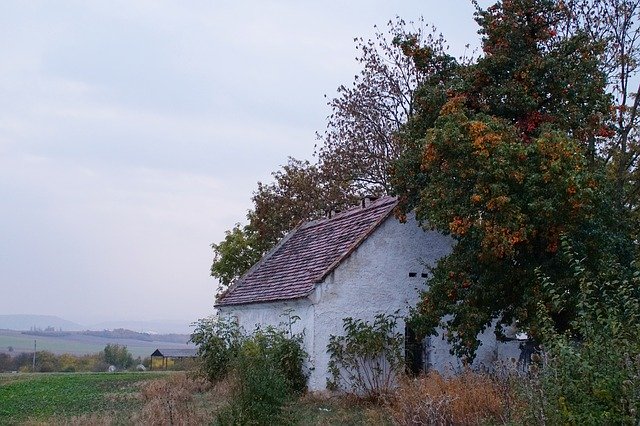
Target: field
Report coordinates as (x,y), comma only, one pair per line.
(77,344)
(42,396)
(125,398)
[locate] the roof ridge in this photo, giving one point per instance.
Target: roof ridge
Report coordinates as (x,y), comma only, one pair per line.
(380,202)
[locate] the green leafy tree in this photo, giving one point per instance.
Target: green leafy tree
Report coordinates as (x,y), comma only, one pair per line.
(117,355)
(301,191)
(234,255)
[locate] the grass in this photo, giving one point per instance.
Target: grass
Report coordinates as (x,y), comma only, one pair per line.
(153,398)
(319,410)
(40,396)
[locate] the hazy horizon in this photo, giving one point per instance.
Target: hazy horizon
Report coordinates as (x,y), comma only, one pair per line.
(133,134)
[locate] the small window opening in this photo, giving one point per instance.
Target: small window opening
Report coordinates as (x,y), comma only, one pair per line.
(424,275)
(412,274)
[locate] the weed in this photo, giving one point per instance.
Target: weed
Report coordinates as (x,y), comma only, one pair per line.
(171,402)
(368,358)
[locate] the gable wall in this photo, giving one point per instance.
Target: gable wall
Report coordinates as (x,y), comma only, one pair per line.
(374,279)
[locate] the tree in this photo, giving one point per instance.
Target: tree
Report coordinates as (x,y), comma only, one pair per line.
(358,148)
(6,363)
(506,169)
(117,355)
(614,24)
(531,77)
(360,145)
(234,255)
(507,204)
(47,362)
(300,191)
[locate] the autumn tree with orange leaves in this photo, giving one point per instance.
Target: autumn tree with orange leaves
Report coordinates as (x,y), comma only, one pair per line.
(507,168)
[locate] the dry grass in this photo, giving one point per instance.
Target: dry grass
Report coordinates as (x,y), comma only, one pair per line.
(171,402)
(177,400)
(466,399)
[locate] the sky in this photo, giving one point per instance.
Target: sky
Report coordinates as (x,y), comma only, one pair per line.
(132,134)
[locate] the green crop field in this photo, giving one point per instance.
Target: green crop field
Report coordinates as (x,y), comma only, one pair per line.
(42,396)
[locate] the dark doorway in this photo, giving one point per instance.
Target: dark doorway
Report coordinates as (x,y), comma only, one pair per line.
(414,362)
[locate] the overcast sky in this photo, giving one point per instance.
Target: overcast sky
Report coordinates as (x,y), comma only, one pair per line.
(132,134)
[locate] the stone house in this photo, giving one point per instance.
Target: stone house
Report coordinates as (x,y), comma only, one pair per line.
(357,264)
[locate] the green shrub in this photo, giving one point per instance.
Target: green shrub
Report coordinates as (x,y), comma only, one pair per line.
(261,387)
(591,375)
(368,358)
(266,368)
(218,339)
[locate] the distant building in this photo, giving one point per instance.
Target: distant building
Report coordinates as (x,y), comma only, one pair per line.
(162,359)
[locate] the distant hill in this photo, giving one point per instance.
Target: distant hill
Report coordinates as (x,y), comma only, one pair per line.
(23,322)
(41,322)
(85,342)
(152,327)
(116,334)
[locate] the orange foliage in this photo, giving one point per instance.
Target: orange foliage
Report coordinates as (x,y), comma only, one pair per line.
(454,105)
(459,226)
(497,202)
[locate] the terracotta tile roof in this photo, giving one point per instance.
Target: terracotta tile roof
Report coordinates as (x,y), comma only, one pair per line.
(307,255)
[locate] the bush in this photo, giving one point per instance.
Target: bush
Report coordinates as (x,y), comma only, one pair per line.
(368,358)
(47,362)
(591,375)
(260,390)
(266,368)
(218,339)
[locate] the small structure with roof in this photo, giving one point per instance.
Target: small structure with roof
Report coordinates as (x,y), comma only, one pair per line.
(162,359)
(358,263)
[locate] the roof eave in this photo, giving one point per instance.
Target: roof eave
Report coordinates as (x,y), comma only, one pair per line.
(255,302)
(263,259)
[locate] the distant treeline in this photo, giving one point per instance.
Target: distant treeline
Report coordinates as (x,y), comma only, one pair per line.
(46,362)
(118,333)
